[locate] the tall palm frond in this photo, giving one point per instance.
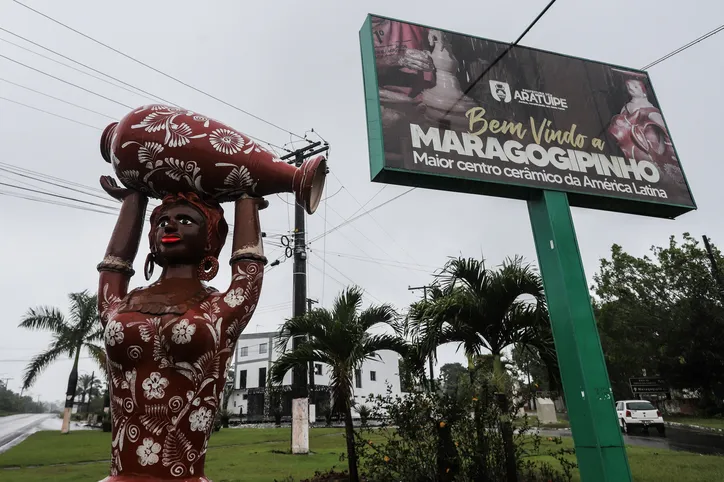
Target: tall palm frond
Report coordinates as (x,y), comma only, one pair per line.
(44,318)
(39,363)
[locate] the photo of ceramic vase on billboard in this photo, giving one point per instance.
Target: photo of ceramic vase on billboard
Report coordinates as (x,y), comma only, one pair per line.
(169,345)
(641,133)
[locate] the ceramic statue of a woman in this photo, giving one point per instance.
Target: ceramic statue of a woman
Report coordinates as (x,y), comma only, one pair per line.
(169,345)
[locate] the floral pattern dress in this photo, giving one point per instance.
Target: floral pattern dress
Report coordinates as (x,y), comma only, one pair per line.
(167,373)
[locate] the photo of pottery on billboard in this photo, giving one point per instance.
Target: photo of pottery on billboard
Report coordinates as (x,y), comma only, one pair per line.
(503,120)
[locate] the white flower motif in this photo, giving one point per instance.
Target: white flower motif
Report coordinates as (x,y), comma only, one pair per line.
(182,332)
(114,333)
(226,141)
(153,386)
(234,297)
(148,452)
(200,419)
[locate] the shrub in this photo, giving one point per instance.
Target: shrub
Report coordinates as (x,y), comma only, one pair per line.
(437,437)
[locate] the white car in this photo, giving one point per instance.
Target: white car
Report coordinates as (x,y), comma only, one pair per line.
(633,414)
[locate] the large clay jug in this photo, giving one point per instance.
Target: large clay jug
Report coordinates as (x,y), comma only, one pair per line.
(160,149)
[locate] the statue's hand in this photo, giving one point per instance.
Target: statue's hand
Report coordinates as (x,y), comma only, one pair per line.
(416,60)
(261,203)
(110,186)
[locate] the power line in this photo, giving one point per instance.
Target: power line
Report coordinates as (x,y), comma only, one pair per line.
(154,99)
(66,82)
(55,203)
(352,219)
(86,66)
(497,59)
(59,196)
(27,176)
(394,240)
(157,70)
(56,98)
(47,176)
(50,113)
(684,47)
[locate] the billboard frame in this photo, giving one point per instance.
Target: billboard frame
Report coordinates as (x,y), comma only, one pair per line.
(506,189)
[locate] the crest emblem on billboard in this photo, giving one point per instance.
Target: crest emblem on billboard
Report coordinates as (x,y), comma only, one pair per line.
(500,90)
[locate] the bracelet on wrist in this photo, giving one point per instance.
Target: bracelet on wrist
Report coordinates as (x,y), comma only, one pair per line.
(243,254)
(114,263)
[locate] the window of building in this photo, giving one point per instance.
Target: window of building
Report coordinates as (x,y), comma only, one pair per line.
(373,376)
(317,368)
(234,403)
(262,376)
(245,397)
(243,351)
(242,378)
(358,378)
(262,348)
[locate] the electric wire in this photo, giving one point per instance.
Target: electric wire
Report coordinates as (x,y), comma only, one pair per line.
(77,69)
(500,56)
(56,98)
(271,146)
(59,196)
(354,218)
(157,70)
(50,113)
(153,97)
(27,176)
(65,81)
(366,292)
(684,47)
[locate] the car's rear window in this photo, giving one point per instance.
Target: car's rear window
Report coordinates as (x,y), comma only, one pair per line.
(640,406)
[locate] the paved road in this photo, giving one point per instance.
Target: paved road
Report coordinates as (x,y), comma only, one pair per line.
(17,427)
(679,439)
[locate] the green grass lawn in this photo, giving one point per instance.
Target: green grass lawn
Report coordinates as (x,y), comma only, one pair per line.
(701,422)
(253,455)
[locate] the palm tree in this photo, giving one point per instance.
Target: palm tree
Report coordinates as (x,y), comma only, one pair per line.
(483,309)
(70,336)
(341,339)
(90,386)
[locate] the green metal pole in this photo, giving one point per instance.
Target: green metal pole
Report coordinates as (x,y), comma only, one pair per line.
(596,434)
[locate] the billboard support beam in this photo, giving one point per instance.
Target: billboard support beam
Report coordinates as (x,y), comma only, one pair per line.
(596,434)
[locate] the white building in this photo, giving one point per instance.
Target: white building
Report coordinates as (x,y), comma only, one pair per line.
(255,354)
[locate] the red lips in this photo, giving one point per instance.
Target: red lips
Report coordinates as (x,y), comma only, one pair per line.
(170,239)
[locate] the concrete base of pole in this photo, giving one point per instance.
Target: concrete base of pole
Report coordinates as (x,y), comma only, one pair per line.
(300,426)
(66,420)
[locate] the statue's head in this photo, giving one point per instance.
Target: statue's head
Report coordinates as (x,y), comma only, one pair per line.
(636,88)
(186,229)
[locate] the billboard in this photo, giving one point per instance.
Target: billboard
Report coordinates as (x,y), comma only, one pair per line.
(461,113)
(643,385)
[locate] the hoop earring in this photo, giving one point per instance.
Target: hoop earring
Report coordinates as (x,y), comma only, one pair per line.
(208,268)
(149,265)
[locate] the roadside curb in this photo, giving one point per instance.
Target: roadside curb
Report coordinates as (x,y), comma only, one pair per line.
(697,427)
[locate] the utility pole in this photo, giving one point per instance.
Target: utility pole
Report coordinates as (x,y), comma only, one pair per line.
(429,360)
(310,368)
(5,382)
(714,267)
(300,393)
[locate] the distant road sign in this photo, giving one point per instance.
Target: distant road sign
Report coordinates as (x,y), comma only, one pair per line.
(648,385)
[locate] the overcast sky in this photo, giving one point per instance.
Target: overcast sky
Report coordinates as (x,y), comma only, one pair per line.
(297,64)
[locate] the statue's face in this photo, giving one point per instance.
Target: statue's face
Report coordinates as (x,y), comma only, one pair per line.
(180,235)
(635,88)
